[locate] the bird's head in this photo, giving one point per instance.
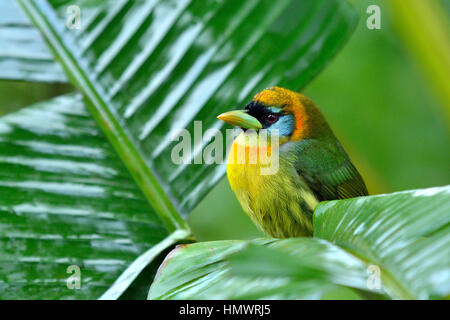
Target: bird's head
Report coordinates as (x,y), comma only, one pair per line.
(294,116)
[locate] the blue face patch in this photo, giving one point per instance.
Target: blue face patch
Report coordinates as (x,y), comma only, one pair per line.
(284,125)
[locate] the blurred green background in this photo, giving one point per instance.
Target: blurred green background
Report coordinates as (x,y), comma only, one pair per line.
(382,105)
(382,94)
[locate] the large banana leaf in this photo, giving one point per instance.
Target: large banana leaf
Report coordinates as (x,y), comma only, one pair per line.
(406,234)
(402,237)
(66,199)
(302,268)
(150,67)
(23,53)
(145,67)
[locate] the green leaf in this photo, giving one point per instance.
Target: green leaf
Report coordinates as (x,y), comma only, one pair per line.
(66,199)
(405,236)
(138,265)
(23,53)
(301,268)
(151,67)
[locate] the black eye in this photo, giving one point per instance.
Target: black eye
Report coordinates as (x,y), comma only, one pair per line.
(271,118)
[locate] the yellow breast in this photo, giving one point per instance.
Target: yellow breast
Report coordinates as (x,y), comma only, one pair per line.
(280,203)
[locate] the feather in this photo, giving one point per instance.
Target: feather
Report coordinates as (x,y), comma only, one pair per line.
(328,171)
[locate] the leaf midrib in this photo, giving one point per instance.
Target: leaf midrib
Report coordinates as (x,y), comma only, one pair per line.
(116,134)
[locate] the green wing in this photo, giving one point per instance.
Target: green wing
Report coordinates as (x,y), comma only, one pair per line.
(328,171)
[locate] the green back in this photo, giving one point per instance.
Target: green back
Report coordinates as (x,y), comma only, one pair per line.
(327,170)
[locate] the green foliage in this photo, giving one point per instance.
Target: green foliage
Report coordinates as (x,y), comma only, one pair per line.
(402,237)
(91,183)
(106,203)
(23,54)
(300,268)
(174,63)
(407,234)
(66,199)
(381,106)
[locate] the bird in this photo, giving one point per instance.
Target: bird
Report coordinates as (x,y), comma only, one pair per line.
(312,164)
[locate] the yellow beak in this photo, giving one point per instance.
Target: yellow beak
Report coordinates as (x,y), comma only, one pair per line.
(240,118)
